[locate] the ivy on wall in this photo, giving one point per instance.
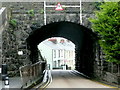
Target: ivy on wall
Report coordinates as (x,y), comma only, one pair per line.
(13,22)
(41,11)
(107,25)
(31,12)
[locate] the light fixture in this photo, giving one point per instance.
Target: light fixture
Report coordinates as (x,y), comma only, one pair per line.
(20,52)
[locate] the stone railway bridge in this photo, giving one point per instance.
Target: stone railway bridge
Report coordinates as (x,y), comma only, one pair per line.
(30,31)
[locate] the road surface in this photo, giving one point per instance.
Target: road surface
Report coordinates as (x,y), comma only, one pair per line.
(68,79)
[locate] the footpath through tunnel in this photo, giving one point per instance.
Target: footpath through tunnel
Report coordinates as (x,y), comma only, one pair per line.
(82,37)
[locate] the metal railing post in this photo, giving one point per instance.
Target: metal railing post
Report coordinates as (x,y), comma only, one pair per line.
(44,12)
(80,12)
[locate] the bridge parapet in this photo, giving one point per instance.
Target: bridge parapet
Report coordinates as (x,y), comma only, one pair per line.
(31,73)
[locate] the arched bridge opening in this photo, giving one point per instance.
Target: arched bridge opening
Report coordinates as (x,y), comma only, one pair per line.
(82,37)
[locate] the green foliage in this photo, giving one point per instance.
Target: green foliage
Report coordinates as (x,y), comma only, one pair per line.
(31,12)
(97,5)
(107,25)
(13,22)
(41,11)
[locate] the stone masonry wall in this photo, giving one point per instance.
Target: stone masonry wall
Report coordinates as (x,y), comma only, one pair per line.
(103,70)
(14,39)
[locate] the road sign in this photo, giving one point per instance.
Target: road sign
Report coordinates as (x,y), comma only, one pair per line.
(59,7)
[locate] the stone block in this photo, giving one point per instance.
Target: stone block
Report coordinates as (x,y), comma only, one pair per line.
(110,77)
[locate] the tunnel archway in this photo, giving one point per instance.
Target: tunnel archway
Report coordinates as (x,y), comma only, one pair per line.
(59,53)
(81,36)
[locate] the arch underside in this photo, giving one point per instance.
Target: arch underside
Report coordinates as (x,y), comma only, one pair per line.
(81,36)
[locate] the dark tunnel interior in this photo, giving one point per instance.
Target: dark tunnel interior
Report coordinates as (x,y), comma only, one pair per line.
(82,37)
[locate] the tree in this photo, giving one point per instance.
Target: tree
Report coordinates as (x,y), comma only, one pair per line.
(107,25)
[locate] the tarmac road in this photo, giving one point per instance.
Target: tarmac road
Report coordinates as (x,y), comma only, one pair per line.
(68,79)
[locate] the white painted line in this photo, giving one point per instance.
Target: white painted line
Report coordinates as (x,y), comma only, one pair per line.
(0,70)
(50,76)
(45,77)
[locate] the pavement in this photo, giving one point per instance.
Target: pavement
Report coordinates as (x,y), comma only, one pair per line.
(14,82)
